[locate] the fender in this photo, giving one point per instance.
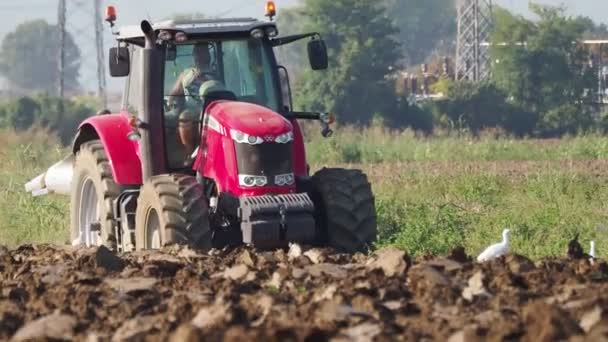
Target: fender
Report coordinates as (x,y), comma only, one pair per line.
(112,131)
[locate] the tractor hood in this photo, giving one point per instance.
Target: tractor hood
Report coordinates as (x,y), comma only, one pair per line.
(248,118)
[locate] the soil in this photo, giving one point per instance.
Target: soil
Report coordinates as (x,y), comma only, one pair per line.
(301,294)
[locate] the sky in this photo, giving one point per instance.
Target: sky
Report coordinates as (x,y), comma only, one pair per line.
(13,12)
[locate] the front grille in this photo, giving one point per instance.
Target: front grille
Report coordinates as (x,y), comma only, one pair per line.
(267,159)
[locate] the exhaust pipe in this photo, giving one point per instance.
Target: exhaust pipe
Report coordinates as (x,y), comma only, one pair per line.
(148,31)
(151,144)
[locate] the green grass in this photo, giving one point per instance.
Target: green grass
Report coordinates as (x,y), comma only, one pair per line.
(432,194)
(431,213)
(377,145)
(24,219)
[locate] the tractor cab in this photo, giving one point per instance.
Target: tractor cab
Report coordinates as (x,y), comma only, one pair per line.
(205,150)
(199,62)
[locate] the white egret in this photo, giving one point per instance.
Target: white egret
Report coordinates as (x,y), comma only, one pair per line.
(496,250)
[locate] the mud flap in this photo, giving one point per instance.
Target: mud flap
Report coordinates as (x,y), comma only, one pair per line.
(274,221)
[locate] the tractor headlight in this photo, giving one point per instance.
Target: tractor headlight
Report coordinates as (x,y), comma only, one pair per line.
(249,181)
(243,138)
(286,179)
(284,138)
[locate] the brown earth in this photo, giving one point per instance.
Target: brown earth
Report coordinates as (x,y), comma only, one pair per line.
(55,293)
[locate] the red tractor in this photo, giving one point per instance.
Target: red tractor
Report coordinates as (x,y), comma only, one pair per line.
(206,149)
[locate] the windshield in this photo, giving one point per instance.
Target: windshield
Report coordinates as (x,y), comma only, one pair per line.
(240,66)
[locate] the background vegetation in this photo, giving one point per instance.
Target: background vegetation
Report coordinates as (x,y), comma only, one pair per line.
(23,218)
(59,117)
(543,83)
(27,58)
(431,194)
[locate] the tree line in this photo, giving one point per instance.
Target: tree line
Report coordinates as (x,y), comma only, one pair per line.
(546,87)
(59,117)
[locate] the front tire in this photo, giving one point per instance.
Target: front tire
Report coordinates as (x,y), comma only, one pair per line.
(345,212)
(172,209)
(93,190)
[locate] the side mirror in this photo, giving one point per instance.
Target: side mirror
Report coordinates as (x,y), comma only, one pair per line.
(317,54)
(119,61)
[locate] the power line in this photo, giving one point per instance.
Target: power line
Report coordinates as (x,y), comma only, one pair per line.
(92,66)
(475,21)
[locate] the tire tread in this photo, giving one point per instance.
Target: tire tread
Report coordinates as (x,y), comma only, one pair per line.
(346,212)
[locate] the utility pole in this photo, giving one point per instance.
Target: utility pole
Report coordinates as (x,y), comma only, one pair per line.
(101,69)
(83,19)
(61,55)
(475,24)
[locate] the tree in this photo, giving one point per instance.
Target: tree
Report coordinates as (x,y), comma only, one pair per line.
(28,58)
(61,117)
(21,114)
(542,70)
(593,30)
(424,27)
(361,52)
(292,56)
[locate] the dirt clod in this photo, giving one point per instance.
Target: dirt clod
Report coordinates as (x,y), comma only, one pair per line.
(236,273)
(55,326)
(475,287)
(104,258)
(212,316)
(391,261)
(326,269)
(187,333)
(591,318)
(130,285)
(549,323)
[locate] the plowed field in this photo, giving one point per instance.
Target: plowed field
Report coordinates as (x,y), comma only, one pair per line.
(56,293)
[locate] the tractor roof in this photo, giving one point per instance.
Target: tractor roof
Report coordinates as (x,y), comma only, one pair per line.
(197,27)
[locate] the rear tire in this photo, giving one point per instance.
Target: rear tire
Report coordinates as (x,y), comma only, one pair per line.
(172,209)
(345,212)
(93,190)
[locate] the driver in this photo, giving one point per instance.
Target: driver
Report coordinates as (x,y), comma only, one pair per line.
(185,99)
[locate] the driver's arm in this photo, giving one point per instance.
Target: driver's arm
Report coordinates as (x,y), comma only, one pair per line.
(176,96)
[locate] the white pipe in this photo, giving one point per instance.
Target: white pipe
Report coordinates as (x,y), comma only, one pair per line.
(57,179)
(35,184)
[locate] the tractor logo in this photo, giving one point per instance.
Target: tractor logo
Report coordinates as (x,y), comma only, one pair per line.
(269,138)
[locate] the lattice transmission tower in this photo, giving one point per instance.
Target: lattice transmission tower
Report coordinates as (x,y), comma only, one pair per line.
(475,22)
(83,20)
